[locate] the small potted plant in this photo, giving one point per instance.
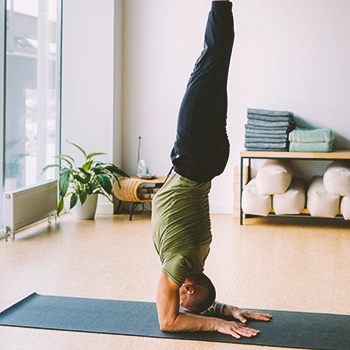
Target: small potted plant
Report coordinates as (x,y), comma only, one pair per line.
(84,183)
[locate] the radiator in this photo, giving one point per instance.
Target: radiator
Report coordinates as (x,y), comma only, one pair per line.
(28,205)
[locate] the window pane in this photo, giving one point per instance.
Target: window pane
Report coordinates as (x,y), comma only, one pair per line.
(32,90)
(2,56)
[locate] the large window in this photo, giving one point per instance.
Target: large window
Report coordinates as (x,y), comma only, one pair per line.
(31,84)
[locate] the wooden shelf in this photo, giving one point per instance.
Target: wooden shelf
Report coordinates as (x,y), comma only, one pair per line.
(317,156)
(334,155)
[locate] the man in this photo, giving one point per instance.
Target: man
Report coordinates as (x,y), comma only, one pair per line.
(180,217)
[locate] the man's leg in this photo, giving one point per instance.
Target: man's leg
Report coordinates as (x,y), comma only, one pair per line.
(201,148)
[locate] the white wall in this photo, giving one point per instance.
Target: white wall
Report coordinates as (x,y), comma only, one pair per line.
(91,80)
(291,55)
(288,55)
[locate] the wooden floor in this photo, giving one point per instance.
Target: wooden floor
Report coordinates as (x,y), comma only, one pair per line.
(280,264)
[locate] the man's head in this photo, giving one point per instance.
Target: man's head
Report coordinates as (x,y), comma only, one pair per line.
(197,293)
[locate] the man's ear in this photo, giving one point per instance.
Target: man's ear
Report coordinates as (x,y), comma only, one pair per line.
(189,288)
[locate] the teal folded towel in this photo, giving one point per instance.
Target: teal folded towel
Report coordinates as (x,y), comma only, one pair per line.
(311,135)
(310,146)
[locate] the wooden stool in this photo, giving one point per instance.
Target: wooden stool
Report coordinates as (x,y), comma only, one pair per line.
(136,191)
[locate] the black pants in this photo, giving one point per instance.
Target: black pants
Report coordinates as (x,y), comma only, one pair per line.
(201,149)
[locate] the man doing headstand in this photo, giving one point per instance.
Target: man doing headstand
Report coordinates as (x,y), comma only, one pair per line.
(180,216)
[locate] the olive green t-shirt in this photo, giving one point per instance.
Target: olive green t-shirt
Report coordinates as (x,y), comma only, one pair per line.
(181,226)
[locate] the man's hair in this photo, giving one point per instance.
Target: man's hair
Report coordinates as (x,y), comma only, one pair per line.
(204,296)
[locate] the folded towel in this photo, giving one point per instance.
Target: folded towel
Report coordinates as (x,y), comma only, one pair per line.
(262,130)
(270,118)
(265,139)
(249,134)
(271,124)
(266,149)
(265,145)
(311,135)
(310,146)
(269,112)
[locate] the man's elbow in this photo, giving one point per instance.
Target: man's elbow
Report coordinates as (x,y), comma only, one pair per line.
(166,325)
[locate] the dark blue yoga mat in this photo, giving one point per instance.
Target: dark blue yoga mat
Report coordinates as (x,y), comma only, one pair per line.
(287,329)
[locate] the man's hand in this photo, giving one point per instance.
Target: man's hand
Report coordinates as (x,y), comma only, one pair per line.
(221,310)
(237,330)
(242,314)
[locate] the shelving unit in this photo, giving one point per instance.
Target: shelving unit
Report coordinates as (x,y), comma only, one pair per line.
(247,156)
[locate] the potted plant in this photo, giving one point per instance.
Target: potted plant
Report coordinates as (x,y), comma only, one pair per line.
(85,182)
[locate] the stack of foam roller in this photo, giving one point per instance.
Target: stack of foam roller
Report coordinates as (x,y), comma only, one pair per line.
(274,188)
(329,195)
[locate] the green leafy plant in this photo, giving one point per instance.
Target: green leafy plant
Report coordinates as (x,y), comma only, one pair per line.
(93,177)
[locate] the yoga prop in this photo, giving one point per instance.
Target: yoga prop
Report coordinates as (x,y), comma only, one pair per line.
(287,329)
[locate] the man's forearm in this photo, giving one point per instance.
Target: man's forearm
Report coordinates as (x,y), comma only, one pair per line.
(197,323)
(185,322)
(170,320)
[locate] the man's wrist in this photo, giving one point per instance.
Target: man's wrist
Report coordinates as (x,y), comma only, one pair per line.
(216,310)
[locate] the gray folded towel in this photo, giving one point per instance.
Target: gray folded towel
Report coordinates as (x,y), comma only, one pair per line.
(254,129)
(249,134)
(269,112)
(270,124)
(270,118)
(264,145)
(266,149)
(265,139)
